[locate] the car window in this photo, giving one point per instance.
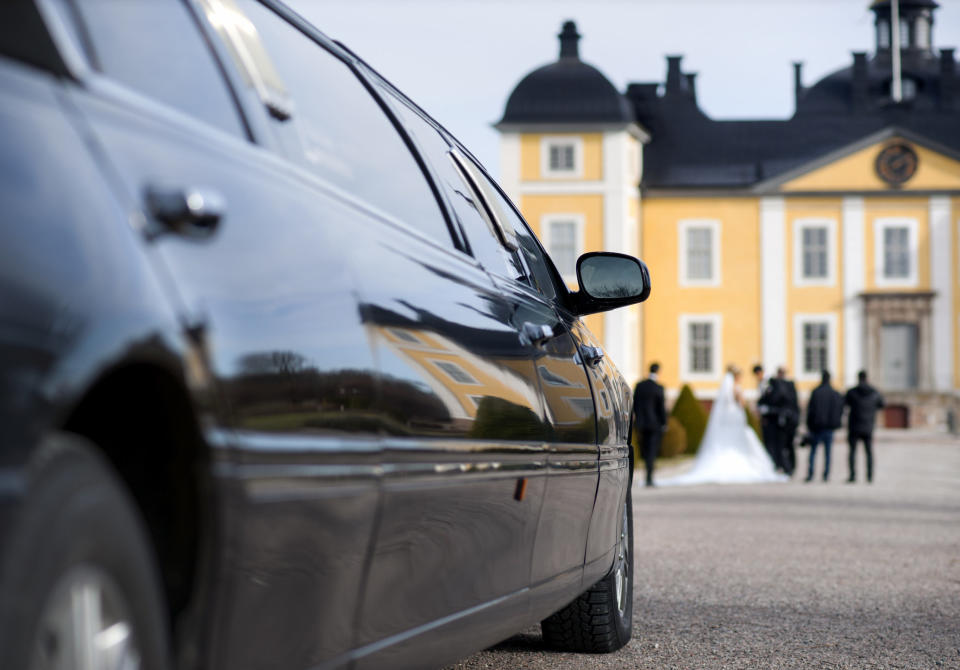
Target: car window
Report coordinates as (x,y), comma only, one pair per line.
(539,274)
(484,245)
(344,135)
(157,49)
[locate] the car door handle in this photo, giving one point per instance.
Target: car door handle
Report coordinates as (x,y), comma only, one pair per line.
(535,334)
(591,355)
(194,212)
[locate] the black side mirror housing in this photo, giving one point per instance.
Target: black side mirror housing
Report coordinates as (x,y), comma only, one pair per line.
(609,280)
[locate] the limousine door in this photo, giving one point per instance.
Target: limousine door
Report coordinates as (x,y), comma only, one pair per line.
(259,256)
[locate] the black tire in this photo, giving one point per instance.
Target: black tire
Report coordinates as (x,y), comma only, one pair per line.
(593,623)
(77,531)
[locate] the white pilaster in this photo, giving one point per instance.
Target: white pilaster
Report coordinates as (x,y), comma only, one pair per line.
(854,282)
(941,280)
(616,338)
(510,165)
(773,281)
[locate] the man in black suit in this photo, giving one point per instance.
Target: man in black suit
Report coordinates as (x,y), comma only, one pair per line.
(649,418)
(774,406)
(791,419)
(863,401)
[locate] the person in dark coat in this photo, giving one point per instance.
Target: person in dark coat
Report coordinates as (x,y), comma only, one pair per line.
(779,423)
(791,419)
(863,401)
(649,418)
(824,415)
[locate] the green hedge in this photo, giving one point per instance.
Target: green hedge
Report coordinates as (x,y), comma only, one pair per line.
(754,422)
(692,416)
(673,443)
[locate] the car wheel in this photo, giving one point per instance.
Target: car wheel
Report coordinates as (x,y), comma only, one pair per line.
(78,585)
(600,620)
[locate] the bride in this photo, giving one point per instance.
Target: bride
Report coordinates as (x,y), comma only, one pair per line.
(730,452)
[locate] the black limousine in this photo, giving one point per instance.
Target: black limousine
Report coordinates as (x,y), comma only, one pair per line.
(286,381)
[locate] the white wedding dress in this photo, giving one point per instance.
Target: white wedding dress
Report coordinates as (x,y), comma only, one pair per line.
(730,452)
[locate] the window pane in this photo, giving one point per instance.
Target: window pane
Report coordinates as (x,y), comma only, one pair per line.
(701,347)
(344,135)
(699,253)
(814,242)
(896,253)
(815,347)
(561,157)
(157,48)
(563,249)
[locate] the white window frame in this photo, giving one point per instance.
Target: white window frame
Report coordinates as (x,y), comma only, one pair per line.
(566,140)
(713,225)
(579,222)
(799,225)
(880,225)
(799,320)
(716,321)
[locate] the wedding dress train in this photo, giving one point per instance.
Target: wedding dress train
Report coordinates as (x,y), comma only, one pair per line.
(730,452)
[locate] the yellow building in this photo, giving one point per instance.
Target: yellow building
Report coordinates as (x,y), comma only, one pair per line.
(827,241)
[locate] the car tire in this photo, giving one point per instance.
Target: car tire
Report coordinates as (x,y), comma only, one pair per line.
(601,619)
(79,587)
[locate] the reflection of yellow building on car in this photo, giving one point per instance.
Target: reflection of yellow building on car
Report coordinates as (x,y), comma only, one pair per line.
(826,241)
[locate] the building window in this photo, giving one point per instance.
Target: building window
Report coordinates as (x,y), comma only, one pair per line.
(562,156)
(456,373)
(563,238)
(815,337)
(904,34)
(896,252)
(814,254)
(700,349)
(922,28)
(883,34)
(908,88)
(699,252)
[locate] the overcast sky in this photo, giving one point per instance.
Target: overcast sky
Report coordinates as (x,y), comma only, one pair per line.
(459,59)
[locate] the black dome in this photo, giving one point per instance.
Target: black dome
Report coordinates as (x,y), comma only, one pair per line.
(567,91)
(836,92)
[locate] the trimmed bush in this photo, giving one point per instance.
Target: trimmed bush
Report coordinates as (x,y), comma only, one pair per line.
(692,416)
(674,439)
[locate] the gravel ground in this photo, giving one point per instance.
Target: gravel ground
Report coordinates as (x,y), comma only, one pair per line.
(794,575)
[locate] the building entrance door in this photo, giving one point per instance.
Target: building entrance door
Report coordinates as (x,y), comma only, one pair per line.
(899,350)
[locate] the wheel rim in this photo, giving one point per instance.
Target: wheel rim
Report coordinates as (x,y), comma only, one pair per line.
(85,625)
(622,576)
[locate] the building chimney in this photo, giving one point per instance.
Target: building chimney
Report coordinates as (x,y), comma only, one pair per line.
(691,84)
(948,80)
(569,37)
(859,93)
(797,82)
(674,76)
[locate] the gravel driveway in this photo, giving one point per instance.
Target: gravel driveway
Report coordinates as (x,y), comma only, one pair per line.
(792,575)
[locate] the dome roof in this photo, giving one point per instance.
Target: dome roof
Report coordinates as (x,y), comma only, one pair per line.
(567,91)
(836,91)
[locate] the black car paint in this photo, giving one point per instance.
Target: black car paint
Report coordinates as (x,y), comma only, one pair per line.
(363,514)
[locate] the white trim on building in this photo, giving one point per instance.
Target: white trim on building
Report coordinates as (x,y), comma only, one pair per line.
(829,319)
(510,165)
(829,278)
(715,320)
(684,228)
(941,281)
(773,280)
(854,283)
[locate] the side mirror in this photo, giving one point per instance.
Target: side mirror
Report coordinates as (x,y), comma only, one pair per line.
(610,280)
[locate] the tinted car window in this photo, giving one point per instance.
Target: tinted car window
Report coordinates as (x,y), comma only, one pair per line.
(345,136)
(484,245)
(157,48)
(539,276)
